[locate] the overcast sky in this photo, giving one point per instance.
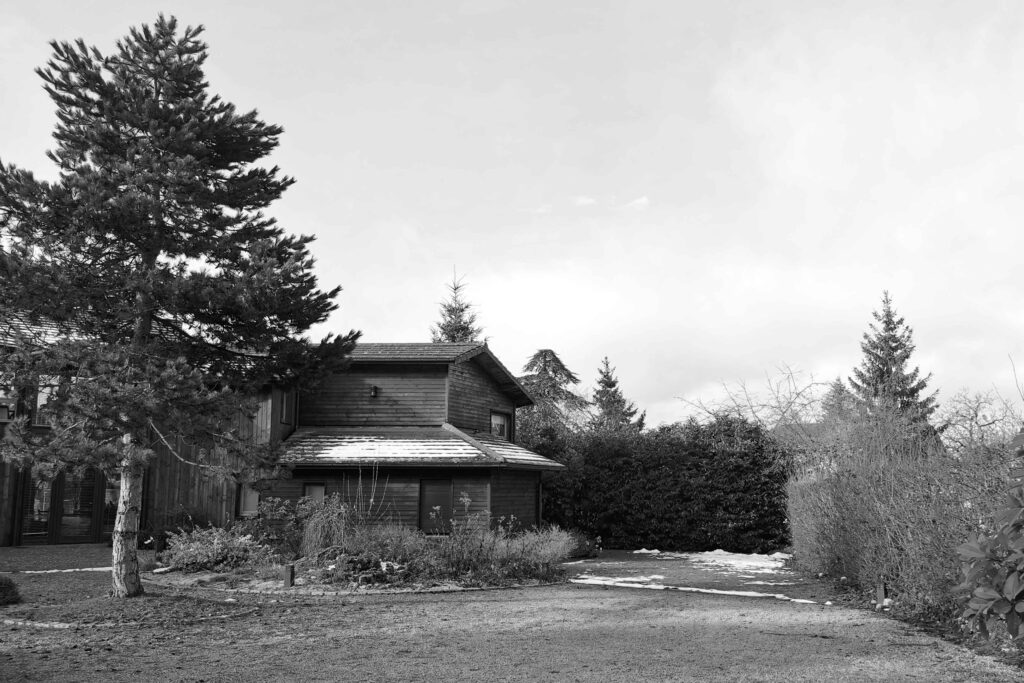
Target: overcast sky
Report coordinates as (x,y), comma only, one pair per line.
(701,191)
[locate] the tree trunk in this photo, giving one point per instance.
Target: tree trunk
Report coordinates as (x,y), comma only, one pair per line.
(125,575)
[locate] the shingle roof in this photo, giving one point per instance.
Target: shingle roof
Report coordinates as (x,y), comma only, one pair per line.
(440,352)
(405,447)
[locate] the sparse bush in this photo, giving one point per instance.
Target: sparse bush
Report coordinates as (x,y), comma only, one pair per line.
(350,548)
(9,594)
(885,502)
(212,548)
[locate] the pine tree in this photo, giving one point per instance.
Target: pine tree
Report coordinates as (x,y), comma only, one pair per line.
(883,381)
(174,297)
(557,408)
(458,321)
(614,412)
(838,404)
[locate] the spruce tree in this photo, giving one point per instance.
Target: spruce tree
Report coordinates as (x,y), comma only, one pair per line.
(458,320)
(613,411)
(838,404)
(169,296)
(884,380)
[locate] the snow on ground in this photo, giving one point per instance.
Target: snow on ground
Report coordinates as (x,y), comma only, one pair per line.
(743,566)
(720,559)
(59,571)
(646,582)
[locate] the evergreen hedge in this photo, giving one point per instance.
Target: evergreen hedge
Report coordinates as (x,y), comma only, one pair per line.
(692,486)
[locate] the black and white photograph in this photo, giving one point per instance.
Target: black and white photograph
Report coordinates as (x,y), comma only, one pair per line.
(509,340)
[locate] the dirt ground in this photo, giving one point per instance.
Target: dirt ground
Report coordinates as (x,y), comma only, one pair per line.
(553,633)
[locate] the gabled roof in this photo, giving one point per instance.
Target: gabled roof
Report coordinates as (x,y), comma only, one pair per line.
(448,353)
(444,446)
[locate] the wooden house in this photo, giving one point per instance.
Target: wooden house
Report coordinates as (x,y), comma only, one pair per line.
(424,430)
(418,434)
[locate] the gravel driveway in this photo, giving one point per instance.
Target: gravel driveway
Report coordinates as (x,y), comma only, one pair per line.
(554,633)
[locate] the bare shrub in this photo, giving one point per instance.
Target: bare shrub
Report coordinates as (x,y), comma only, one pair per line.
(886,502)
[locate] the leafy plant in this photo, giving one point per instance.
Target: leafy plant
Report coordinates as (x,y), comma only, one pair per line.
(9,594)
(993,567)
(213,548)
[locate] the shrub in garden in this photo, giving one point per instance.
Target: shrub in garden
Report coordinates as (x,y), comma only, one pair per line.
(9,594)
(884,503)
(692,486)
(352,548)
(213,548)
(993,568)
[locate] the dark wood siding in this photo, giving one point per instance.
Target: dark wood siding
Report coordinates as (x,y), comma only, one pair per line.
(472,395)
(173,488)
(516,494)
(407,395)
(391,496)
(9,481)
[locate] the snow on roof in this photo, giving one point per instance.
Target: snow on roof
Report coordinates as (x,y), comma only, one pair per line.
(406,446)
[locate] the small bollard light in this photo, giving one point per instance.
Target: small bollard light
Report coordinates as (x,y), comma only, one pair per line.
(288,575)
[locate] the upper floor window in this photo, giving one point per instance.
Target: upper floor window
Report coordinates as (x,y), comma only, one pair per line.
(46,391)
(288,407)
(501,425)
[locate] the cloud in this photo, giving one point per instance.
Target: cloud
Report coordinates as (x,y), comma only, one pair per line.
(639,204)
(583,200)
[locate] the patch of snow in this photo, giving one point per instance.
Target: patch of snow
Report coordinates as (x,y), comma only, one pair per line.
(63,571)
(741,562)
(633,582)
(645,551)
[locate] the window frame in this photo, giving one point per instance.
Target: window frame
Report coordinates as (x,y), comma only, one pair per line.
(246,492)
(509,424)
(288,407)
(306,485)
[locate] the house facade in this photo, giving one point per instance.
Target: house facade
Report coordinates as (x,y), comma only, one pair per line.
(418,434)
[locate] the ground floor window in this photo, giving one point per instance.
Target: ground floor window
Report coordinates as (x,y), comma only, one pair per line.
(70,507)
(248,501)
(314,492)
(435,505)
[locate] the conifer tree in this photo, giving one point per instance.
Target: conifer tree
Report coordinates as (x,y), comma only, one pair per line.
(884,379)
(838,404)
(557,407)
(613,411)
(170,297)
(458,320)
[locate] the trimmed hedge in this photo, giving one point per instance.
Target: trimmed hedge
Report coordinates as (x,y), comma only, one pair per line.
(692,486)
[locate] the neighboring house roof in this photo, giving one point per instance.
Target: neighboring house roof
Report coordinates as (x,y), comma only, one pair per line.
(18,327)
(406,446)
(447,353)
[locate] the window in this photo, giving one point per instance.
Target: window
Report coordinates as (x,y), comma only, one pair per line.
(501,425)
(47,390)
(288,407)
(248,501)
(314,492)
(8,399)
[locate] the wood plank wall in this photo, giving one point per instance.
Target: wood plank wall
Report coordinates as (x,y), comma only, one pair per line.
(9,479)
(516,494)
(174,488)
(472,395)
(407,395)
(391,495)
